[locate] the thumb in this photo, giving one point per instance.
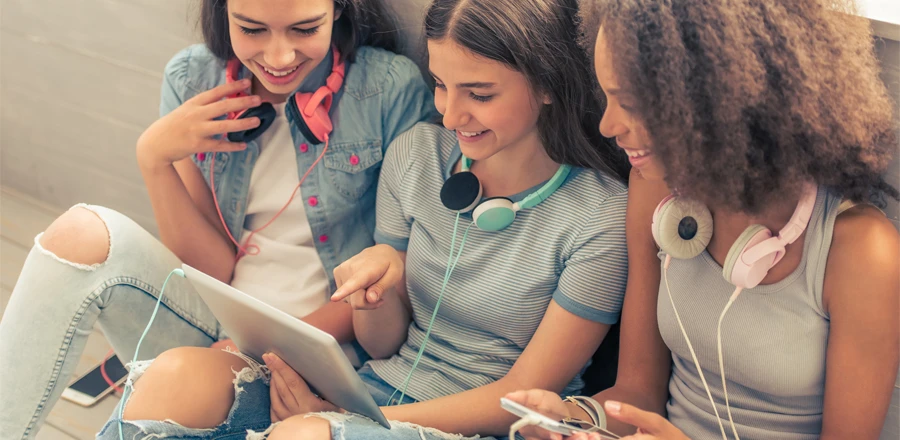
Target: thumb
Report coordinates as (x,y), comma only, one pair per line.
(648,422)
(374,292)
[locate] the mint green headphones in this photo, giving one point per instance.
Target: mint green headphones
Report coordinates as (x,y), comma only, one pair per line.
(462,192)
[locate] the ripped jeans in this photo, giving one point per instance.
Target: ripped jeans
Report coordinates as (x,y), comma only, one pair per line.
(249,417)
(56,303)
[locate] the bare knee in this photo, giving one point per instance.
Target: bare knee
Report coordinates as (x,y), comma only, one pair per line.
(78,236)
(191,386)
(300,427)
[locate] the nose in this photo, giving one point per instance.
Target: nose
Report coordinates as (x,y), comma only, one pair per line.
(455,114)
(611,125)
(280,53)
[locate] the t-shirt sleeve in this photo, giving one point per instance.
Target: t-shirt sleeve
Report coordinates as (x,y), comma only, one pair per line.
(392,225)
(592,282)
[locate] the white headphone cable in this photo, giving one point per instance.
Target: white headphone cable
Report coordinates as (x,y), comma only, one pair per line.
(691,347)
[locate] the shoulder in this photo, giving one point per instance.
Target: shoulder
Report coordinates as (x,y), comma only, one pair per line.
(422,142)
(194,69)
(595,189)
(864,257)
(376,70)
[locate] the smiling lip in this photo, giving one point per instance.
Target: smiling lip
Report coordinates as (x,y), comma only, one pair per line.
(638,158)
(467,136)
(280,80)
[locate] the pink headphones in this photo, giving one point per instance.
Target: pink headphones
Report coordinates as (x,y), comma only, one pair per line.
(312,108)
(682,228)
(315,124)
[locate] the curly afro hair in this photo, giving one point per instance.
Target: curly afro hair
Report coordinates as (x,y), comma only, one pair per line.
(746,99)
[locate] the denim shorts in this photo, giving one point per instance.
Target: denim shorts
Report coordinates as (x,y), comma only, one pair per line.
(249,416)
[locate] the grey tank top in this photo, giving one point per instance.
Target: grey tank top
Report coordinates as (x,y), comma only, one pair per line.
(774,340)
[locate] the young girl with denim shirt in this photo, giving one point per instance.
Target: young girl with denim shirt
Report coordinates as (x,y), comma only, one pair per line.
(96,266)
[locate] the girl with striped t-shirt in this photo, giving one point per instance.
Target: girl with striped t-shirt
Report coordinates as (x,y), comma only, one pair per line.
(531,295)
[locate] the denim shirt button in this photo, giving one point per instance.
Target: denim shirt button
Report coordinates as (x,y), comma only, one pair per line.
(354,160)
(313,201)
(304,147)
(323,238)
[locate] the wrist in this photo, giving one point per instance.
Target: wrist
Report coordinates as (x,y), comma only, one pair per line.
(148,161)
(575,412)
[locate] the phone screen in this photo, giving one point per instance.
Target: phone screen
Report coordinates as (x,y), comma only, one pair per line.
(93,383)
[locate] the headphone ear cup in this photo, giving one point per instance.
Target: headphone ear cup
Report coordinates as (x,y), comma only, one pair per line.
(751,256)
(654,225)
(494,214)
(266,114)
(316,126)
(461,192)
(682,227)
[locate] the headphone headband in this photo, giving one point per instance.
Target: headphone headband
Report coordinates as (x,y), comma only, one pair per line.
(800,219)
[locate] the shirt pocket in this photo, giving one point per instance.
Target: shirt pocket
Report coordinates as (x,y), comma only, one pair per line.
(352,167)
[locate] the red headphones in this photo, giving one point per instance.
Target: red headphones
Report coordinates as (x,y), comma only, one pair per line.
(313,107)
(315,125)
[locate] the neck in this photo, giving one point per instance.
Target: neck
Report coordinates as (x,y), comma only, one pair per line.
(516,168)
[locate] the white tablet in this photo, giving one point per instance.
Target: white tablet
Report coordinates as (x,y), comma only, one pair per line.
(258,328)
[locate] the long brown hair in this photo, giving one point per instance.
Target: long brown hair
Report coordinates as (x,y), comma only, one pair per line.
(539,39)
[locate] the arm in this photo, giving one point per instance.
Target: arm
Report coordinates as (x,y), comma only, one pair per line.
(333,318)
(383,330)
(863,341)
(644,360)
(182,203)
(183,208)
(559,349)
(374,285)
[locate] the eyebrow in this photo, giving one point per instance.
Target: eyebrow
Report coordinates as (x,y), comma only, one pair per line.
(469,85)
(250,20)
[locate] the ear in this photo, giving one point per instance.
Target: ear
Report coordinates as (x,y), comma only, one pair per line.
(545,98)
(337,12)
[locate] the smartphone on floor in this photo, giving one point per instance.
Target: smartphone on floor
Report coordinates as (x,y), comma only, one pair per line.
(88,389)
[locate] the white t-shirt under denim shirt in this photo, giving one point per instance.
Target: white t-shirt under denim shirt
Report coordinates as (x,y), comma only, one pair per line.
(570,248)
(287,273)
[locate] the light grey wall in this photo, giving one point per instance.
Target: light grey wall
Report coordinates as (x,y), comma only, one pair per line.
(79,81)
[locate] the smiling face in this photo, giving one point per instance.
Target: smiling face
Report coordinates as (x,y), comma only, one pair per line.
(280,41)
(491,107)
(620,120)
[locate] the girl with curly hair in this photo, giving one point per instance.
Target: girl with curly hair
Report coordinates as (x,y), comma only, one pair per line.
(769,124)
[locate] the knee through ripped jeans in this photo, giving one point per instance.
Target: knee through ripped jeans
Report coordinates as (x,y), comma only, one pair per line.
(249,416)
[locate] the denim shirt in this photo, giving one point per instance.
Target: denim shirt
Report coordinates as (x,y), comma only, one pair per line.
(383,95)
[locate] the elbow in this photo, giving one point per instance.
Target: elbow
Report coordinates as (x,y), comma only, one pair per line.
(378,352)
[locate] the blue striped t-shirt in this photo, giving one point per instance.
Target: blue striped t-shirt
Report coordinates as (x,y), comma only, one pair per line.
(570,249)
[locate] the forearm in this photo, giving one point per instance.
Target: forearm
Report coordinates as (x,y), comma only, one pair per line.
(473,412)
(382,331)
(182,226)
(334,318)
(632,396)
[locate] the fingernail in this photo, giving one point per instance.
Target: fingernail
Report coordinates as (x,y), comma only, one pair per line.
(372,297)
(613,407)
(245,82)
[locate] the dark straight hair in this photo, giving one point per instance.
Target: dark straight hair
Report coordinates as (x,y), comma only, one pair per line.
(362,23)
